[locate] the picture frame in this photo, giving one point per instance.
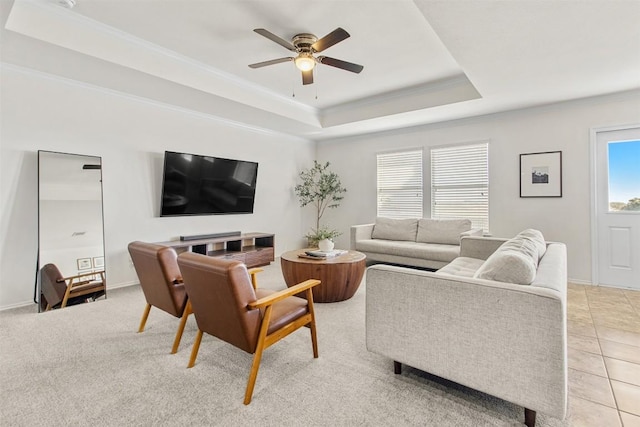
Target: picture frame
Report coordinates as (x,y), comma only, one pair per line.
(98,262)
(84,263)
(541,174)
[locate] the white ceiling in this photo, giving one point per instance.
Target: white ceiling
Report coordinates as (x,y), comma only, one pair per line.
(424,61)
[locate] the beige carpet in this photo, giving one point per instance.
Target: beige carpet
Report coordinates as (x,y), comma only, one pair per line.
(86,366)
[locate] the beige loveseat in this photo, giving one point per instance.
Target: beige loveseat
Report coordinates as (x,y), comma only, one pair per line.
(471,323)
(416,242)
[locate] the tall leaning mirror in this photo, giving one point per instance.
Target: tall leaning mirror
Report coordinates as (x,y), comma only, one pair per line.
(71,267)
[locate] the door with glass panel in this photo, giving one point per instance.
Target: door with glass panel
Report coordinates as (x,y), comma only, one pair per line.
(617,207)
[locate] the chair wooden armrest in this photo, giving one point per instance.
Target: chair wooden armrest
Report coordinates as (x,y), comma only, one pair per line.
(254,278)
(82,287)
(223,287)
(80,276)
(285,293)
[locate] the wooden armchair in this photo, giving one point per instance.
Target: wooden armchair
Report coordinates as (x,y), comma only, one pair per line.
(227,306)
(161,283)
(58,291)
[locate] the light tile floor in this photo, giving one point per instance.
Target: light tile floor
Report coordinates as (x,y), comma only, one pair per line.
(604,356)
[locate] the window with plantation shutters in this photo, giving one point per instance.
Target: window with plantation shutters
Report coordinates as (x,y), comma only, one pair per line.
(460,183)
(400,184)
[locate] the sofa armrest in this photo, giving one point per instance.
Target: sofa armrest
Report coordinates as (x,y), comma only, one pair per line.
(478,232)
(360,232)
(479,247)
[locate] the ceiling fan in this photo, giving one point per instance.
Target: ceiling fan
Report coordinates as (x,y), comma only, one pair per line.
(305,45)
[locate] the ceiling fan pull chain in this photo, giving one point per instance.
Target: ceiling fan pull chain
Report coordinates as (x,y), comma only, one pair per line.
(293,88)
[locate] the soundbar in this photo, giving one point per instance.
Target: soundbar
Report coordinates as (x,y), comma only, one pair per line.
(210,236)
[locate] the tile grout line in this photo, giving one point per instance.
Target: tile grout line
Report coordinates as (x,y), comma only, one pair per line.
(606,368)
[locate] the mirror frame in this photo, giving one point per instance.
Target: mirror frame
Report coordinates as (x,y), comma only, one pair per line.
(37,287)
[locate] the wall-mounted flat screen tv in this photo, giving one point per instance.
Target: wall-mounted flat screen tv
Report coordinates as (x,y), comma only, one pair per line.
(204,185)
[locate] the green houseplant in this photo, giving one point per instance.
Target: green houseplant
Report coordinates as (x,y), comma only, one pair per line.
(321,188)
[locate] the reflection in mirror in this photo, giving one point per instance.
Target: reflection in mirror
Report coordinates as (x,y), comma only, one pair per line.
(71,268)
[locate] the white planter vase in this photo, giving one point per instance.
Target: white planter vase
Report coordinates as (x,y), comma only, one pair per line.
(325,245)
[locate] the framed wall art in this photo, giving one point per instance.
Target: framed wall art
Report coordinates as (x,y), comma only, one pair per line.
(84,263)
(541,174)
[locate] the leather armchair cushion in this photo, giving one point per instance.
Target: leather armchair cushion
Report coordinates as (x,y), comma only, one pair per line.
(284,311)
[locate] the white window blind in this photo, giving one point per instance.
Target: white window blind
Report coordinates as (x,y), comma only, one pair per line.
(400,184)
(460,183)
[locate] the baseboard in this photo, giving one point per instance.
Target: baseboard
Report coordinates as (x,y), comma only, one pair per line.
(580,282)
(30,302)
(122,285)
(18,305)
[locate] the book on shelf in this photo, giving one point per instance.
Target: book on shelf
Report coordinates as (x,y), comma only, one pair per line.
(325,254)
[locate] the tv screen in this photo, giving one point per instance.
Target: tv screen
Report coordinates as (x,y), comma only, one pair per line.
(204,185)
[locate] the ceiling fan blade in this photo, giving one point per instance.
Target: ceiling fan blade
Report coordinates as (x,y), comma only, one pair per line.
(282,42)
(273,61)
(338,63)
(307,77)
(336,36)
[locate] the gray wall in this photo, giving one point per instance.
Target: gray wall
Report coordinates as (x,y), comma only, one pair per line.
(563,127)
(130,134)
(41,112)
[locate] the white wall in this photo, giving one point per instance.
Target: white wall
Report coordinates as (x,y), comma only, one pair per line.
(40,112)
(563,127)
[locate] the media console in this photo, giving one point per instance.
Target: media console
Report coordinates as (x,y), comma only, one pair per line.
(254,249)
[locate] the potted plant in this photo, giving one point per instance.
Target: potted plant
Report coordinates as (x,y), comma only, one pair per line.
(323,189)
(323,238)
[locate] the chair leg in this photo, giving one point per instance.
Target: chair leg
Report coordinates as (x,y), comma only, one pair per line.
(529,417)
(183,322)
(143,321)
(66,295)
(314,338)
(312,325)
(194,350)
(257,357)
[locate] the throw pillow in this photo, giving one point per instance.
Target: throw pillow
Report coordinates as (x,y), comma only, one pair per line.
(537,238)
(515,261)
(444,231)
(395,229)
(508,267)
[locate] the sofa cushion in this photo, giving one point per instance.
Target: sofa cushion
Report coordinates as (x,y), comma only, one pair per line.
(430,251)
(395,229)
(462,267)
(445,231)
(515,261)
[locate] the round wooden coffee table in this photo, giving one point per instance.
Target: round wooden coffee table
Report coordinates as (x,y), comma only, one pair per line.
(340,276)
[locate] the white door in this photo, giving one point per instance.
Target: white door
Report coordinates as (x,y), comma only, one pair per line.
(617,207)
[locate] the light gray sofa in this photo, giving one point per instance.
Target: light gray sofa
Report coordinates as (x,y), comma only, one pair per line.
(416,242)
(504,339)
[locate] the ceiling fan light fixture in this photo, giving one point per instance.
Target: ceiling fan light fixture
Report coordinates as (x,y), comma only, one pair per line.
(305,62)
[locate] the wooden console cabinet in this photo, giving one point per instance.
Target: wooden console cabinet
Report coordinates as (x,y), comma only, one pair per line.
(254,249)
